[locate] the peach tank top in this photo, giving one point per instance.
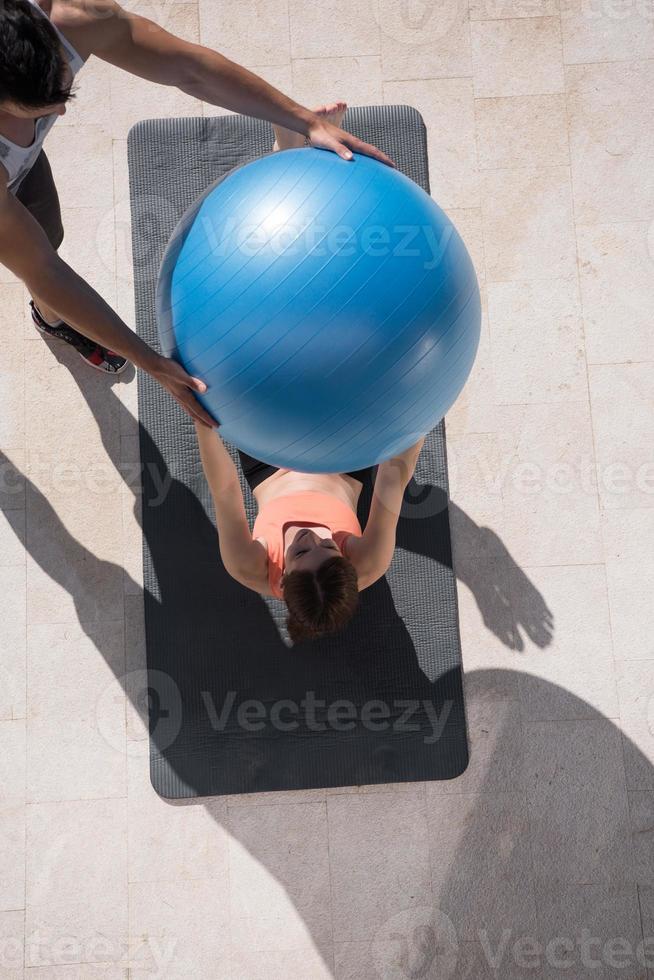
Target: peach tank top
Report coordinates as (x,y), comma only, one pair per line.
(307,507)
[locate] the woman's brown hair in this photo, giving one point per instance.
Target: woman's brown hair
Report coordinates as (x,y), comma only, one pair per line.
(321,602)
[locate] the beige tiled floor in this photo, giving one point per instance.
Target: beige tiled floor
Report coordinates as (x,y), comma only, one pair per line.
(541,149)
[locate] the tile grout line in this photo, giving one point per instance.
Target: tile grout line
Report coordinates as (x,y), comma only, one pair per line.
(599,502)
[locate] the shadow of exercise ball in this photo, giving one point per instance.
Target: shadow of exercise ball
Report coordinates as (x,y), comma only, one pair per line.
(330,306)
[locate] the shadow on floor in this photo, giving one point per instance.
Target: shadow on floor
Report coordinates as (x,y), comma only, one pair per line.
(535,838)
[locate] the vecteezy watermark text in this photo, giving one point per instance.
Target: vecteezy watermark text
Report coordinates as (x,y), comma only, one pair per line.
(319,715)
(321,240)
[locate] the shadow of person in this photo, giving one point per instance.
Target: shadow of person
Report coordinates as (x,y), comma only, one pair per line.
(535,830)
(217,647)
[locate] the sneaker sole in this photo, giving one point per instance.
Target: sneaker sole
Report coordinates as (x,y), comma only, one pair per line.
(97,367)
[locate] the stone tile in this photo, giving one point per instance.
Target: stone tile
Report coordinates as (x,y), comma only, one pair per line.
(482,837)
(180,929)
(12,480)
(12,854)
(514,959)
(646,897)
(495,740)
(75,891)
(132,540)
(7,277)
(638,751)
(468,223)
(358,81)
(573,677)
(12,815)
(65,381)
(528,224)
(615,269)
(335,30)
(475,410)
(630,601)
(250,33)
(283,797)
(75,712)
(12,539)
(419,939)
(172,842)
(74,572)
(611,141)
(605,31)
(379,861)
(621,397)
(12,761)
(499,612)
(13,589)
(636,695)
(537,341)
(90,247)
(132,98)
(579,822)
(12,373)
(520,56)
(354,961)
(279,872)
(428,41)
(446,105)
(607,912)
(81,164)
(628,538)
(522,131)
(316,963)
(84,971)
(509,9)
(476,510)
(12,944)
(641,813)
(550,496)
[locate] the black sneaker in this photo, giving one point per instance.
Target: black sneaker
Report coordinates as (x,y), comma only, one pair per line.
(90,351)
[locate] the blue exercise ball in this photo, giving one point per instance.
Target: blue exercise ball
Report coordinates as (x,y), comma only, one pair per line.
(330,306)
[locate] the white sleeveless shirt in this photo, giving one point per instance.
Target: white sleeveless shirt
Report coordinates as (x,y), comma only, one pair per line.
(19,160)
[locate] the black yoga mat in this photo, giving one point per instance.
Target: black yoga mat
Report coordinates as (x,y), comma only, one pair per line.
(234,708)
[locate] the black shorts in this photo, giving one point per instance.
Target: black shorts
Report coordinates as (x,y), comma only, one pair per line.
(255,472)
(38,193)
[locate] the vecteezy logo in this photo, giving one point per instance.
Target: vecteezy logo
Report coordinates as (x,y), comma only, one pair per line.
(157,701)
(416,944)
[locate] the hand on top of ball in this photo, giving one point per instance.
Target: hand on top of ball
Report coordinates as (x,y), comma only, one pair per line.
(182,387)
(326,136)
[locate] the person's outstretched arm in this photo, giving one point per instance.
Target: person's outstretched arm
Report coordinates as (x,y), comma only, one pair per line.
(141,47)
(243,558)
(26,251)
(372,553)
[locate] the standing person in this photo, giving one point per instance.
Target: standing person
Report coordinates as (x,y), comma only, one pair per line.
(43,46)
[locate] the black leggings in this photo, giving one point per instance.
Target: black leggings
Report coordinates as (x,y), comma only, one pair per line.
(255,472)
(38,193)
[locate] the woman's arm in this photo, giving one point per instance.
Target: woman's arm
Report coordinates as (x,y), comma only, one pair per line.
(245,560)
(372,553)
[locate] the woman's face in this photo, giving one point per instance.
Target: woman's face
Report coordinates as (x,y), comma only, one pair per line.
(308,550)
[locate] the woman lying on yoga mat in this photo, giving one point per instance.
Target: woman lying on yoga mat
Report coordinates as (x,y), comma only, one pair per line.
(307,546)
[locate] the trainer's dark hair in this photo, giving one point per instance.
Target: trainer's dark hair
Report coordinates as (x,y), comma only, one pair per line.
(323,601)
(32,61)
